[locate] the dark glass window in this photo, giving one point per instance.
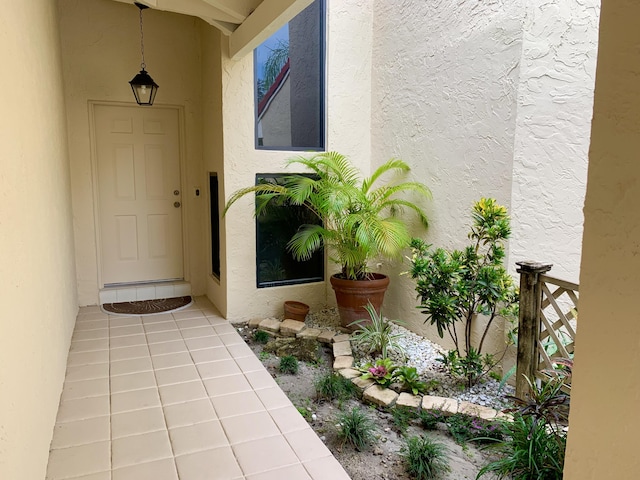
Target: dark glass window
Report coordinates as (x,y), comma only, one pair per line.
(274,228)
(289,84)
(215,224)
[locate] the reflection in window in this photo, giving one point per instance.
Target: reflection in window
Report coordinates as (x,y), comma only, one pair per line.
(274,228)
(289,84)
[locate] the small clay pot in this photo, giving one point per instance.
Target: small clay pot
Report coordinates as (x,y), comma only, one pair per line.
(295,310)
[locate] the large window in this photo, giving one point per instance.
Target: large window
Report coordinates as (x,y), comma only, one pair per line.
(274,228)
(289,84)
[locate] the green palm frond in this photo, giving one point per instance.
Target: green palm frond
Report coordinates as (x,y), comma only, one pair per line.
(360,220)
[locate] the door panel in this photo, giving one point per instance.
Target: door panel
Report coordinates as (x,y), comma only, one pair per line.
(138,174)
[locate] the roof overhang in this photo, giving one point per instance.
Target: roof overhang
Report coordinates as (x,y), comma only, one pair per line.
(247,23)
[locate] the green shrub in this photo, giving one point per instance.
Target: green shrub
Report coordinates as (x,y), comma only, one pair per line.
(533,452)
(408,377)
(464,428)
(288,364)
(356,428)
(430,418)
(402,417)
(334,386)
(260,336)
(425,458)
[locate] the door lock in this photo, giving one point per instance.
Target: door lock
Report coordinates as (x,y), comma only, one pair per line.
(176,204)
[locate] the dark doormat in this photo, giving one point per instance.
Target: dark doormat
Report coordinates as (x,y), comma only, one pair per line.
(147,307)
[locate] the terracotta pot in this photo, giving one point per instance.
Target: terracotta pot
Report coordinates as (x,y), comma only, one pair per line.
(353,295)
(295,310)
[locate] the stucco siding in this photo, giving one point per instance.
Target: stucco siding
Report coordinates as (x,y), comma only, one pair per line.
(37,267)
(348,121)
(445,78)
(555,99)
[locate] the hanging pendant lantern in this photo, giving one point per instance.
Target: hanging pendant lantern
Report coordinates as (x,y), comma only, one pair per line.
(143,86)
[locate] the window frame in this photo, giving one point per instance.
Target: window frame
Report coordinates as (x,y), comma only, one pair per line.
(323,91)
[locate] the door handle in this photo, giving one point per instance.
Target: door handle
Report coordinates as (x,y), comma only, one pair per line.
(176,204)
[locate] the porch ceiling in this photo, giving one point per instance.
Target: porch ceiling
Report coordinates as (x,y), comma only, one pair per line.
(247,23)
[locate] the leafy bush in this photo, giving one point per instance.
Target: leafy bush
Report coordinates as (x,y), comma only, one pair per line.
(377,337)
(464,428)
(458,285)
(261,336)
(288,364)
(334,386)
(408,377)
(533,452)
(425,458)
(381,372)
(402,417)
(430,418)
(538,440)
(356,428)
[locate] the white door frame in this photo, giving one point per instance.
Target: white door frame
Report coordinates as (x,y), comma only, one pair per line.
(95,190)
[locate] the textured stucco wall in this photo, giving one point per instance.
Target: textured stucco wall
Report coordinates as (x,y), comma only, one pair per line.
(604,424)
(555,98)
(348,117)
(444,88)
(37,266)
(101,52)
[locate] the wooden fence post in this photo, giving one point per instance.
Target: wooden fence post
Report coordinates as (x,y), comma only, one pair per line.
(529,322)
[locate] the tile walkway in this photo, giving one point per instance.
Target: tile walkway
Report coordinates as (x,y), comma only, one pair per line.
(176,396)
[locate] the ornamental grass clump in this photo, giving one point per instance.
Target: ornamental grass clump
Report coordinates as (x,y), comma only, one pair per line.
(356,429)
(425,459)
(334,386)
(288,364)
(459,285)
(376,337)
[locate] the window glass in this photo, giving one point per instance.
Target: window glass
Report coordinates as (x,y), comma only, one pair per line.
(289,84)
(274,228)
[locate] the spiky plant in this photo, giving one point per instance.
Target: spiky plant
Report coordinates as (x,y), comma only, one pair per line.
(356,428)
(425,458)
(377,336)
(360,219)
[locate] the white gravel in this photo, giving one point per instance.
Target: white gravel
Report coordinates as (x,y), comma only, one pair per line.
(423,354)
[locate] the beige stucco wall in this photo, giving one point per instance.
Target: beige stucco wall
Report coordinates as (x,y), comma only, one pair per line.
(38,294)
(444,94)
(213,153)
(604,417)
(101,52)
(348,116)
(555,98)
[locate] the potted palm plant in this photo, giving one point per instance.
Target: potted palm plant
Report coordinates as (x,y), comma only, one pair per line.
(360,221)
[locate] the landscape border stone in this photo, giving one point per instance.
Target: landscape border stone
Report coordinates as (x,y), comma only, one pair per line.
(373,393)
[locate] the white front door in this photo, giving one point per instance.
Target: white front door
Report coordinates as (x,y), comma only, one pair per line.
(139,193)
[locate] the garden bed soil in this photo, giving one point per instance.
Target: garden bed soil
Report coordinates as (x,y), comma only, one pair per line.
(382,460)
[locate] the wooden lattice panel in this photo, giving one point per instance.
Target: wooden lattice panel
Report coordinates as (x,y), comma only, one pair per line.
(558,322)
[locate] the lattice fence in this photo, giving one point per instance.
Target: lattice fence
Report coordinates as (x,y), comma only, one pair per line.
(558,322)
(547,324)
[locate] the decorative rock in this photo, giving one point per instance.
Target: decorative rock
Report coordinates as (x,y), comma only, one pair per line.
(362,383)
(270,325)
(309,333)
(341,338)
(471,409)
(302,349)
(326,336)
(290,328)
(381,396)
(350,373)
(408,400)
(342,362)
(448,406)
(342,349)
(255,322)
